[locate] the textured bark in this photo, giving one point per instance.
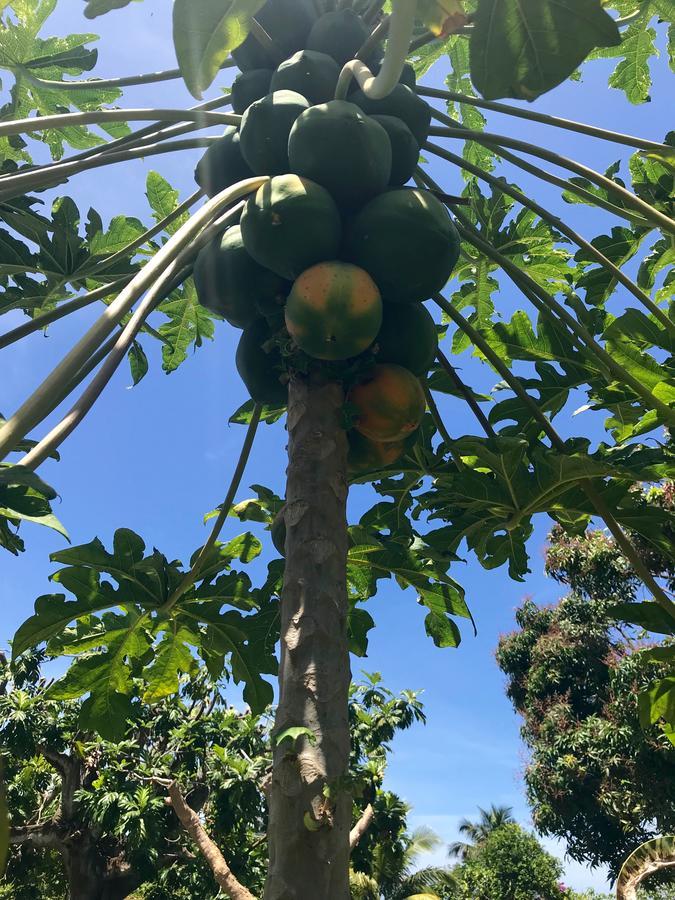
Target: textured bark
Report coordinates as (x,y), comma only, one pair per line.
(192,824)
(310,806)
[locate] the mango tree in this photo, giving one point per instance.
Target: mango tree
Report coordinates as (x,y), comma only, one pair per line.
(323,234)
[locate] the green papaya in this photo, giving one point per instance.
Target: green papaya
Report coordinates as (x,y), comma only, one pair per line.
(339,147)
(312,74)
(365,455)
(406,241)
(340,34)
(402,103)
(405,151)
(259,365)
(222,165)
(230,283)
(248,87)
(408,76)
(288,23)
(408,337)
(265,128)
(290,224)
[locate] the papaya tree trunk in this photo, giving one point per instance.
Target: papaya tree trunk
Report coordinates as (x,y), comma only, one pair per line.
(310,804)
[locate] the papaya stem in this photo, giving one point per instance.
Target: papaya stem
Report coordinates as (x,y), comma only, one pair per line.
(16,185)
(107,83)
(504,187)
(653,215)
(64,309)
(466,393)
(41,401)
(191,577)
(265,41)
(440,426)
(401,25)
(615,137)
(100,116)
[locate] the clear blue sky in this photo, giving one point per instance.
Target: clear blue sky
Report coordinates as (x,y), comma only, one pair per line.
(157,457)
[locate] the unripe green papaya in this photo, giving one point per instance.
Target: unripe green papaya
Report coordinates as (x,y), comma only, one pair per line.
(230,283)
(405,151)
(408,337)
(290,224)
(402,103)
(407,242)
(408,76)
(339,147)
(259,365)
(265,128)
(340,33)
(288,23)
(222,165)
(312,74)
(248,87)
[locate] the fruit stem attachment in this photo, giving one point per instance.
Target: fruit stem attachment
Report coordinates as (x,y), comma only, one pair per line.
(191,577)
(376,87)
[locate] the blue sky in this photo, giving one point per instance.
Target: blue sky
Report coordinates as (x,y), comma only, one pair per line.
(157,457)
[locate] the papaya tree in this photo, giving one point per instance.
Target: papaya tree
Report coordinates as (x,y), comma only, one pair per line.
(321,230)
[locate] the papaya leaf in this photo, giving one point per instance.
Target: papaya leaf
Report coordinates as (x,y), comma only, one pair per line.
(173,657)
(359,623)
(205,32)
(24,497)
(96,8)
(523,48)
(647,615)
(26,56)
(293,734)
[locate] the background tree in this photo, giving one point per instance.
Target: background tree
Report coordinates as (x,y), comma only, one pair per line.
(444,491)
(509,864)
(477,832)
(595,777)
(91,819)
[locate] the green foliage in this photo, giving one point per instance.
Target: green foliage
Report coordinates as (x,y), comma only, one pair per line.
(32,60)
(510,864)
(220,757)
(523,49)
(96,8)
(136,633)
(24,497)
(205,32)
(595,778)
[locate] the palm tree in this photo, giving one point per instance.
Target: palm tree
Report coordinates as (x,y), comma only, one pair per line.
(477,832)
(397,880)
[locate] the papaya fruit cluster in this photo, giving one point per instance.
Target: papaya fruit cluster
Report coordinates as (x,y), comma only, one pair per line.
(334,255)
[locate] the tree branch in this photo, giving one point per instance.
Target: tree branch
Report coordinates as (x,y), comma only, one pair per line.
(361,826)
(70,770)
(46,837)
(192,824)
